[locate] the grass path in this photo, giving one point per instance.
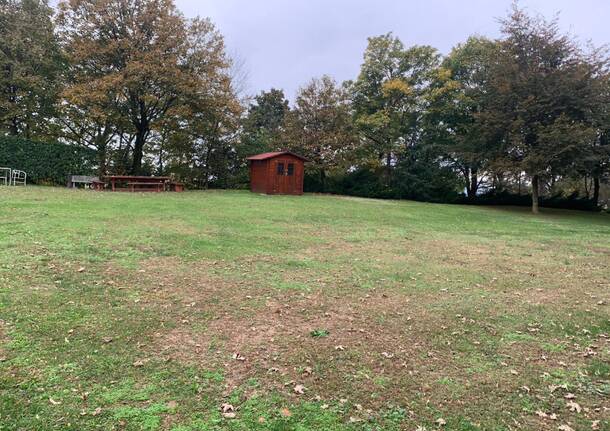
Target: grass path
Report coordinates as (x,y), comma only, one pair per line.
(153,311)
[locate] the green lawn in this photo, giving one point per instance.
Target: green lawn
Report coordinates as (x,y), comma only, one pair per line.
(152,311)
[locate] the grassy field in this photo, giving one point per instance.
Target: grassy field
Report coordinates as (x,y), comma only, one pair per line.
(229,310)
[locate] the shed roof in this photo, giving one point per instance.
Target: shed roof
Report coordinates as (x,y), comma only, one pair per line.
(271,155)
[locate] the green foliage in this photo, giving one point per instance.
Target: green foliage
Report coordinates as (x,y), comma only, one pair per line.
(168,85)
(413,179)
(45,162)
(571,201)
(320,128)
(30,61)
(545,99)
(388,95)
(319,333)
(264,122)
(455,104)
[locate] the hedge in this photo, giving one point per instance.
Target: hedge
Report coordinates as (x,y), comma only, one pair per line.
(45,162)
(571,202)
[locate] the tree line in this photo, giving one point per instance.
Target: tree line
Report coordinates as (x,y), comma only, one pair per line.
(154,92)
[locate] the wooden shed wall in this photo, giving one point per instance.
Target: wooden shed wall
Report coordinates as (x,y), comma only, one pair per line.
(290,185)
(264,177)
(258,176)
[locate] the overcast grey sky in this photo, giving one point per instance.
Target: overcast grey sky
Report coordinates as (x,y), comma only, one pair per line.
(284,43)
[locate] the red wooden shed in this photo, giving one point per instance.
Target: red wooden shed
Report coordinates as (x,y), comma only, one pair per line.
(279,172)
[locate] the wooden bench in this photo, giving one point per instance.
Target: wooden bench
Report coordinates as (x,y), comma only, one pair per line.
(137,182)
(141,186)
(74,180)
(98,185)
(175,187)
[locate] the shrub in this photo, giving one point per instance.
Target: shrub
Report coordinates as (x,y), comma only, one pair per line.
(45,162)
(573,201)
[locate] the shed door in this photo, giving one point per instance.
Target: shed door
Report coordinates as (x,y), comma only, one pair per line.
(284,176)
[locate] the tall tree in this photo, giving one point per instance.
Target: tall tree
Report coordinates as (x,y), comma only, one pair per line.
(320,126)
(145,52)
(202,131)
(30,62)
(203,137)
(264,122)
(541,95)
(457,98)
(388,95)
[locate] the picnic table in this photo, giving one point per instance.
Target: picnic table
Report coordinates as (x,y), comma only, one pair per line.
(138,182)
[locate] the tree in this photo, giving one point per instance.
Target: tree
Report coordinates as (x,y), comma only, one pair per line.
(146,53)
(457,97)
(388,95)
(264,122)
(320,126)
(30,63)
(541,98)
(203,139)
(596,162)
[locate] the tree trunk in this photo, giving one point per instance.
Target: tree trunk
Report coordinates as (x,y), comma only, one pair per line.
(161,157)
(587,194)
(138,151)
(596,190)
(473,184)
(102,167)
(101,145)
(535,196)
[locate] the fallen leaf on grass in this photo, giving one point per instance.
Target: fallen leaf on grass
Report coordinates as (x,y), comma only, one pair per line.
(299,389)
(441,422)
(574,407)
(227,408)
(107,340)
(81,269)
(238,357)
(55,403)
(553,388)
(139,363)
(96,412)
